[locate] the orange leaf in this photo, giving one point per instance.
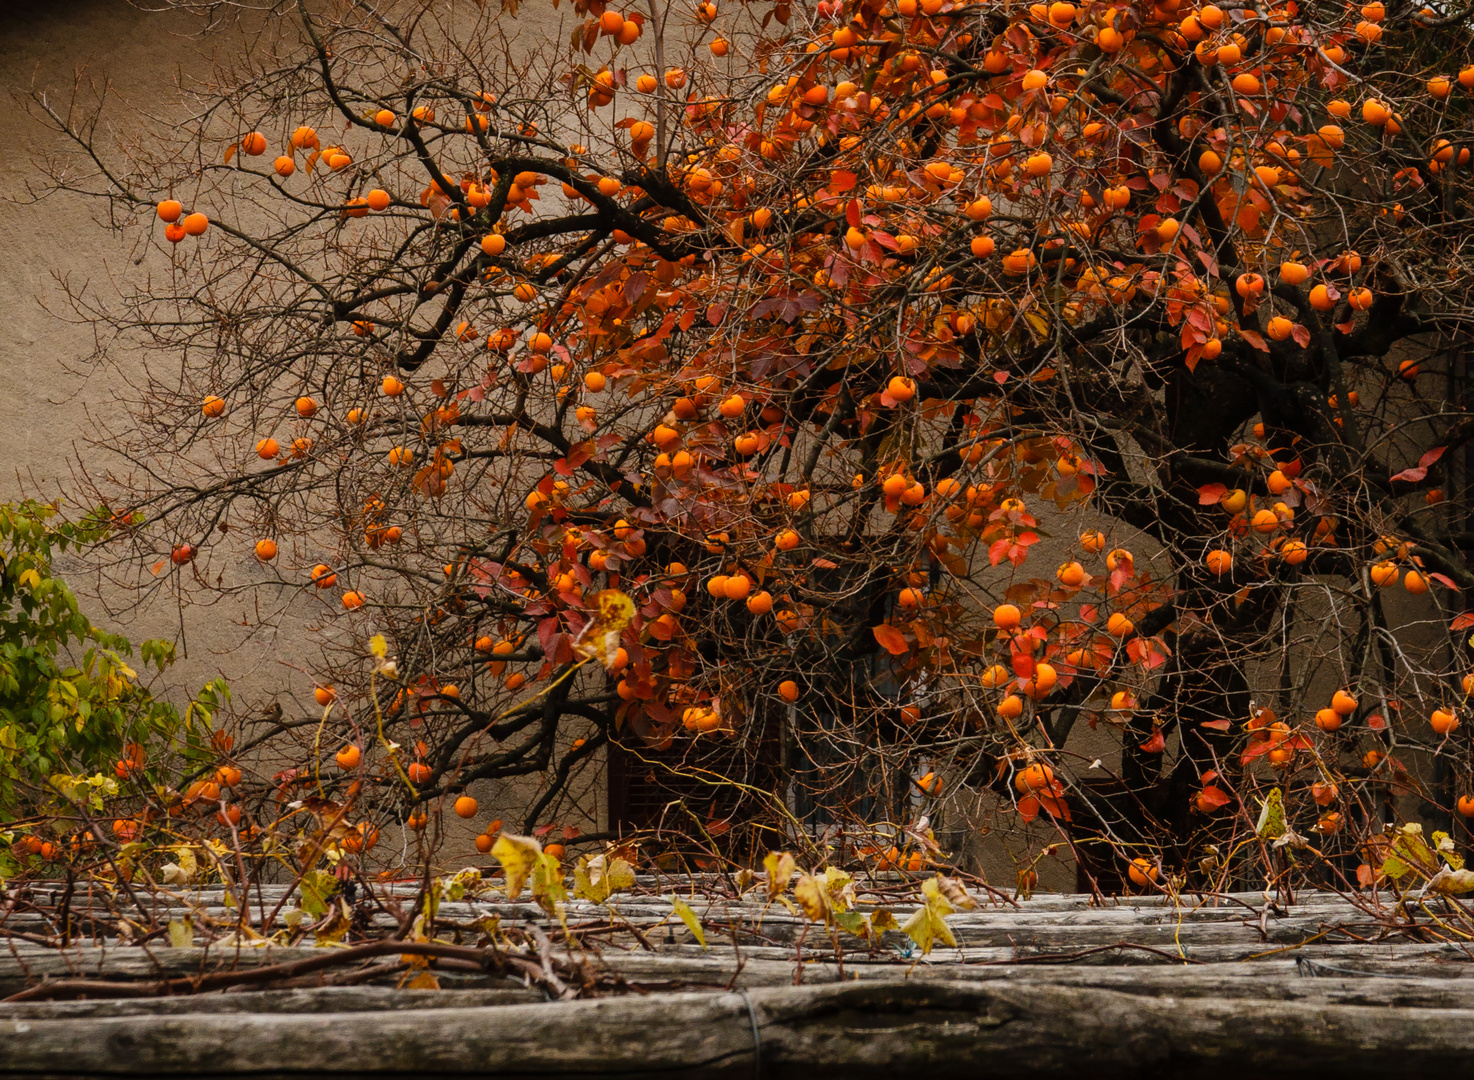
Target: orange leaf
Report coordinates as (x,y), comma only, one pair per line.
(891,639)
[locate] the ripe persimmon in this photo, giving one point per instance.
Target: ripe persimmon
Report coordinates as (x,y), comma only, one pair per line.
(901,388)
(1071,575)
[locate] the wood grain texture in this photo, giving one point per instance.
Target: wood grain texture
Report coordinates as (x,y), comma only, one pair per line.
(868,1029)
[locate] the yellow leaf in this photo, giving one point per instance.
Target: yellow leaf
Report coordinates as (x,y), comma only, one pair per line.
(683,909)
(811,895)
(181,932)
(881,921)
(378,646)
(1447,882)
(600,639)
(518,855)
(840,887)
(425,980)
(928,923)
(780,867)
(596,877)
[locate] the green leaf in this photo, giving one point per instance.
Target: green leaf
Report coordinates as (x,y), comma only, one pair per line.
(316,889)
(853,922)
(1271,824)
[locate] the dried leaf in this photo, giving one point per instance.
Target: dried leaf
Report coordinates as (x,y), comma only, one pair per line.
(1448,882)
(780,868)
(812,897)
(518,855)
(596,877)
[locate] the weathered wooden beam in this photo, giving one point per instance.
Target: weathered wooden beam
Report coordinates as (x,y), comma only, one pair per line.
(854,1030)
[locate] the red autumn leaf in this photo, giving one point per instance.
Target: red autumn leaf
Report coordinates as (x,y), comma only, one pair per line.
(1258,750)
(1462,621)
(1211,494)
(1420,470)
(1216,725)
(1212,798)
(1028,808)
(891,639)
(1156,744)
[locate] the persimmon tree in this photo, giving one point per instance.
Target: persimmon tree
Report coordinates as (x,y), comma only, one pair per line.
(808,328)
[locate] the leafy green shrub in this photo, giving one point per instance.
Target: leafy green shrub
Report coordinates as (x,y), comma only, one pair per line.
(72,709)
